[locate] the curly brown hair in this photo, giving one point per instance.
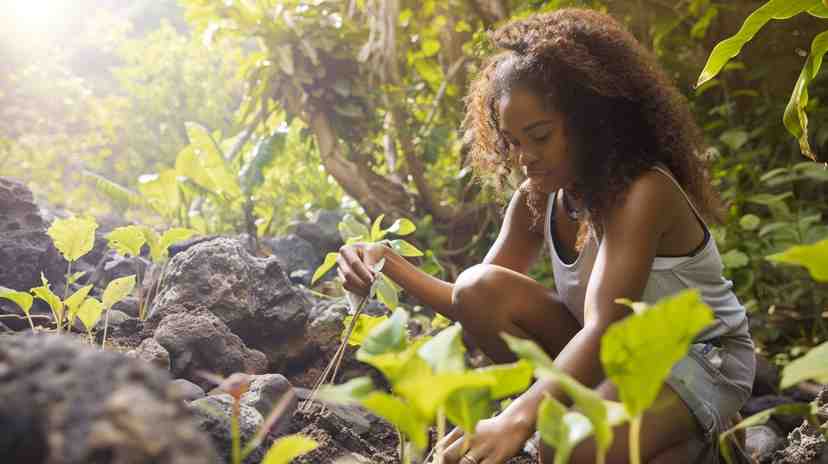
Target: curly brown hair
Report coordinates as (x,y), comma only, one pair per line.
(622,113)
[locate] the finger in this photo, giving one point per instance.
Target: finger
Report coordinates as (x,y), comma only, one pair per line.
(350,279)
(357,260)
(454,450)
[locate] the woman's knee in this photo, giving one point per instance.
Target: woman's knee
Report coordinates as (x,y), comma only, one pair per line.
(477,284)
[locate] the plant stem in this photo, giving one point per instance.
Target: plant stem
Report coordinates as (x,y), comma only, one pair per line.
(400,444)
(140,282)
(234,431)
(635,440)
(441,432)
(106,326)
(65,294)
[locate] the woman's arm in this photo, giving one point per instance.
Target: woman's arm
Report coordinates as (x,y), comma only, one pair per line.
(516,247)
(622,267)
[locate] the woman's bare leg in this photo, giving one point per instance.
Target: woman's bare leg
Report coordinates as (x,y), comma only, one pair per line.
(490,299)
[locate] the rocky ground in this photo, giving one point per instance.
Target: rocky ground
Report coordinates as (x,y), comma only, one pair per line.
(219,309)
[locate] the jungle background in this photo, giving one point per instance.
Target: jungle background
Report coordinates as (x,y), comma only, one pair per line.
(241,117)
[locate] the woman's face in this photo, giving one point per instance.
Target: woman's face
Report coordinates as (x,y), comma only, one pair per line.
(537,140)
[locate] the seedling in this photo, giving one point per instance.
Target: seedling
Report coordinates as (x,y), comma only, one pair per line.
(73,237)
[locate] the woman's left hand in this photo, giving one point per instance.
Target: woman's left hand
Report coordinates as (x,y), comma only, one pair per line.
(495,440)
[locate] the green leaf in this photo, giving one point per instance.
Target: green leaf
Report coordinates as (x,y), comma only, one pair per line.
(45,293)
(401,414)
(90,312)
(162,192)
(74,302)
(388,336)
(444,352)
(638,352)
(730,47)
(439,388)
(734,259)
(75,276)
(327,265)
(562,429)
(402,227)
(285,449)
(22,299)
(211,159)
(252,174)
(795,118)
(396,365)
(127,240)
(510,379)
(117,290)
(812,366)
(153,240)
(734,138)
(749,222)
(404,248)
(73,237)
(814,257)
(171,236)
(362,328)
(377,233)
(386,292)
(349,392)
(430,47)
(468,406)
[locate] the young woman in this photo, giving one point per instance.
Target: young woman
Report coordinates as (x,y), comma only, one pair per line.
(616,189)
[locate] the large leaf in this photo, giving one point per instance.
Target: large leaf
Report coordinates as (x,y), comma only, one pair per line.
(252,173)
(510,379)
(327,264)
(285,449)
(388,336)
(468,406)
(127,240)
(401,414)
(638,352)
(349,392)
(812,366)
(90,312)
(44,292)
(814,257)
(730,47)
(22,299)
(795,119)
(73,237)
(428,392)
(402,227)
(171,236)
(445,351)
(561,428)
(74,302)
(210,157)
(397,365)
(386,292)
(117,290)
(161,191)
(364,325)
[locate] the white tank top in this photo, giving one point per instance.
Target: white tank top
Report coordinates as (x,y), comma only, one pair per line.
(669,275)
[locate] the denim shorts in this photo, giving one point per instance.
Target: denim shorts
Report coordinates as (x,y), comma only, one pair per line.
(714,380)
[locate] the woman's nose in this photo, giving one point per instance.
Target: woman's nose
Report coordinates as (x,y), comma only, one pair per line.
(526,157)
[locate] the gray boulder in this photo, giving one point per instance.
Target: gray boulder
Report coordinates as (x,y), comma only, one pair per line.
(298,257)
(762,441)
(251,295)
(152,352)
(202,342)
(214,414)
(265,393)
(321,231)
(69,403)
(187,390)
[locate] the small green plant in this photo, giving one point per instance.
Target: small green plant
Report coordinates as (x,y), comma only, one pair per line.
(128,241)
(812,366)
(283,450)
(433,364)
(795,118)
(22,299)
(73,237)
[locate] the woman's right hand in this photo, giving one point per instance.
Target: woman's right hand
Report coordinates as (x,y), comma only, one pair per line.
(355,262)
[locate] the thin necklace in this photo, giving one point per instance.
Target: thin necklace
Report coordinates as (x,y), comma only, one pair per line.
(571,212)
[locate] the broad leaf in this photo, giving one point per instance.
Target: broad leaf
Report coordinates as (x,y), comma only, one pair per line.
(377,233)
(252,173)
(562,429)
(74,302)
(44,292)
(364,325)
(638,352)
(75,276)
(730,47)
(127,240)
(90,312)
(402,227)
(211,158)
(73,237)
(170,237)
(285,449)
(814,257)
(428,392)
(404,248)
(162,192)
(22,299)
(327,265)
(349,392)
(388,336)
(510,379)
(386,292)
(468,406)
(117,290)
(814,365)
(795,119)
(350,228)
(445,351)
(397,365)
(401,414)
